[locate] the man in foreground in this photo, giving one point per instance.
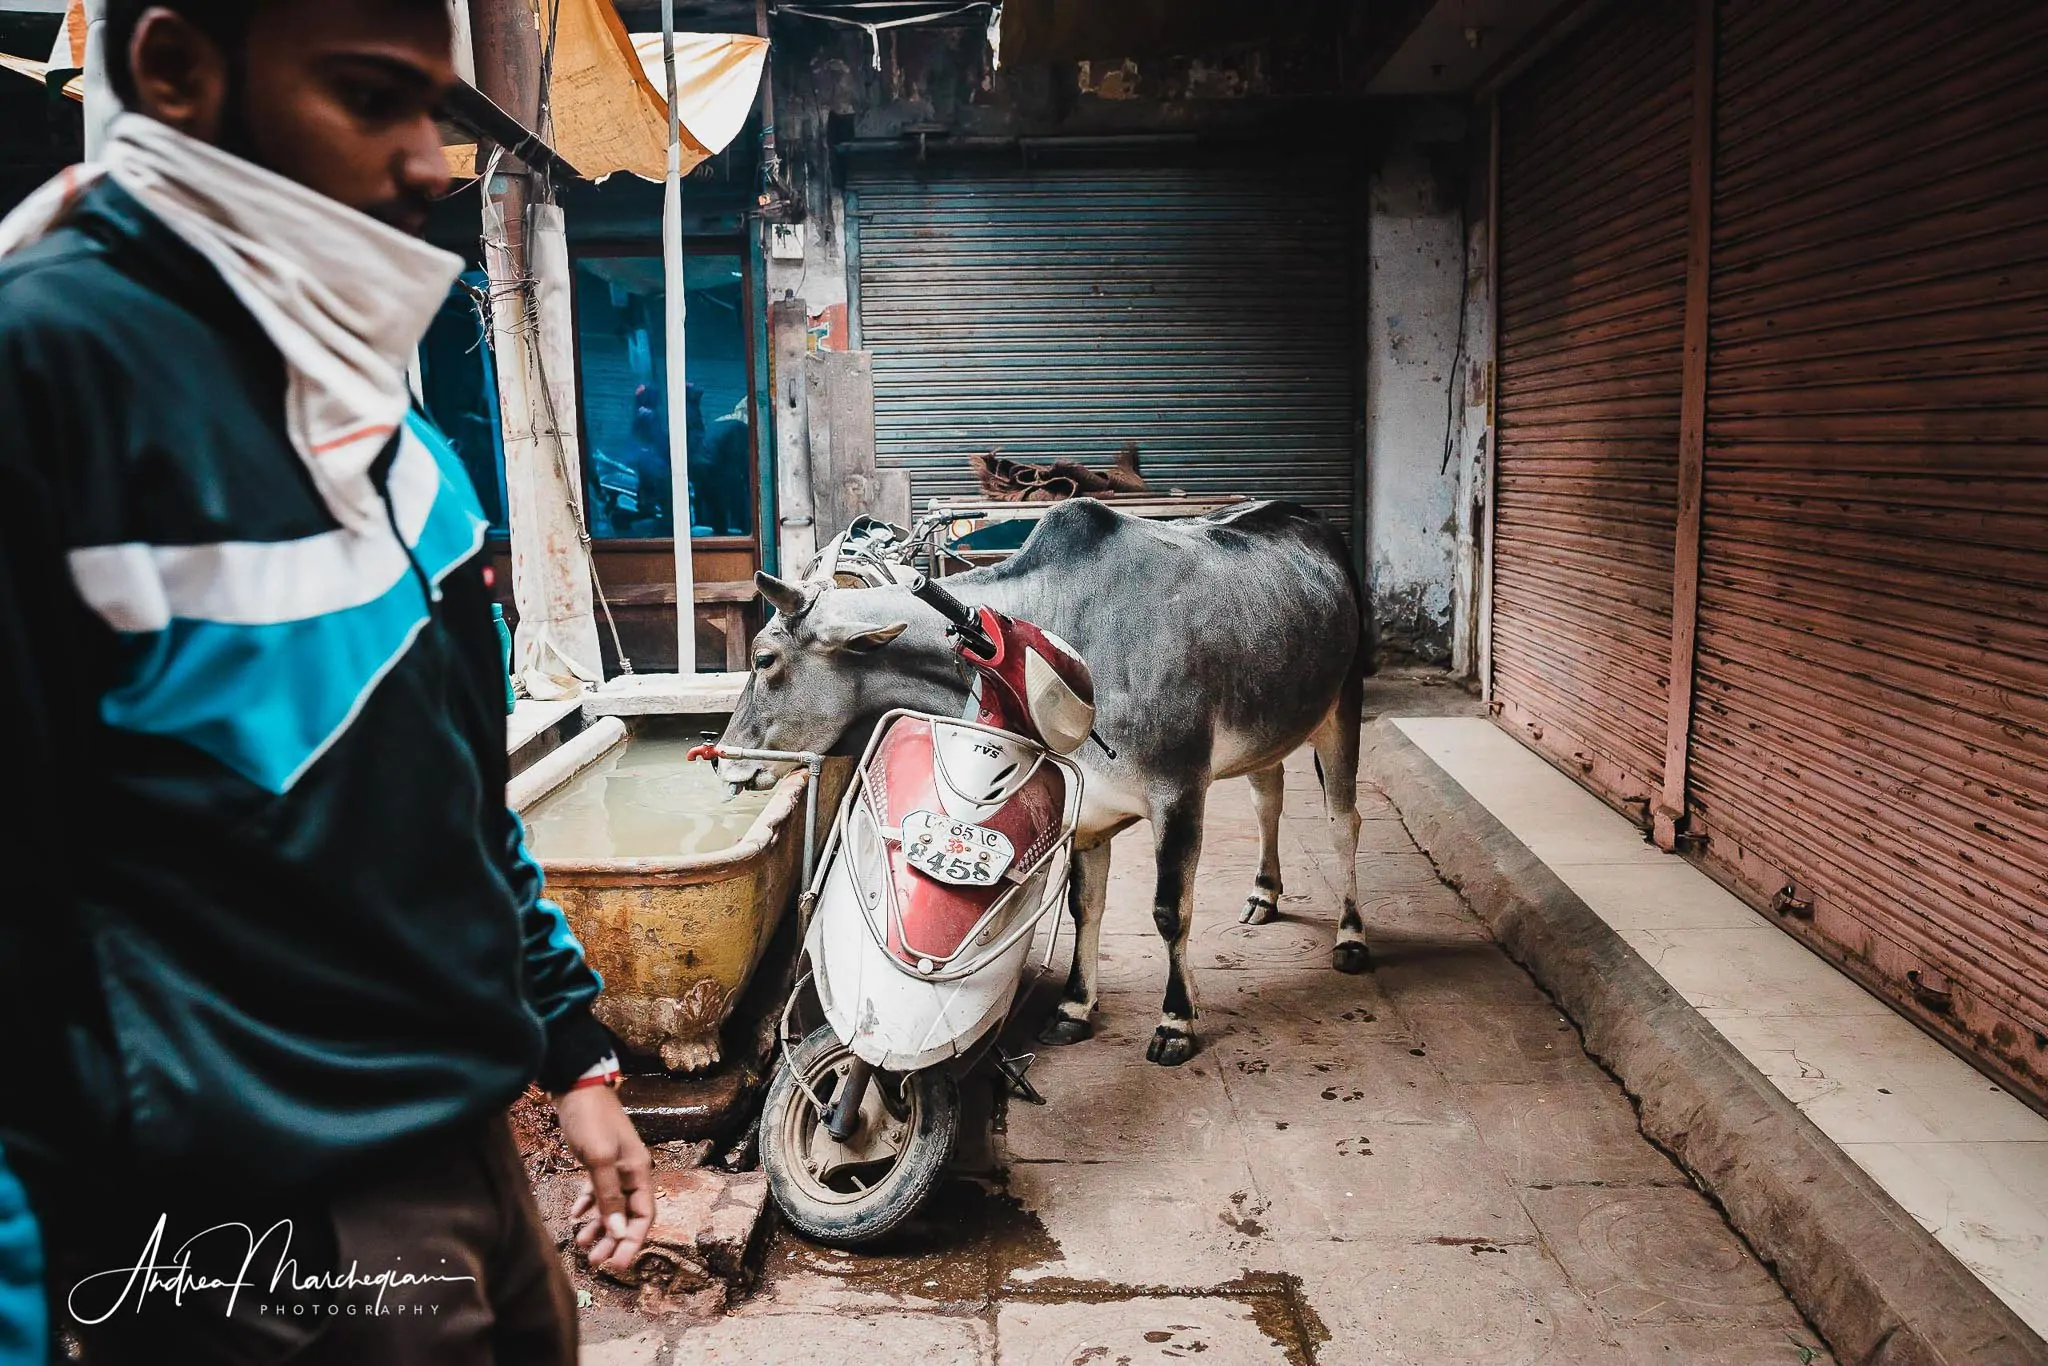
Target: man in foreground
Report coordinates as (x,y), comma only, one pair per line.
(279,961)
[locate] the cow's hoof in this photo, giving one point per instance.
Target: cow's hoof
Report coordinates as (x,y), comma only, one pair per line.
(1170,1047)
(1351,957)
(1061,1029)
(1258,910)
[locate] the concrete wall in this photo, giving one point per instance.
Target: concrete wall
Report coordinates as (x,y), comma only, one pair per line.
(1416,449)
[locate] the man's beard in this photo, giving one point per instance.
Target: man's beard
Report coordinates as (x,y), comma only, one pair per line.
(237,134)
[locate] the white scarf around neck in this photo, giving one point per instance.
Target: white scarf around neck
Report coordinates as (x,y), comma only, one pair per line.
(343,297)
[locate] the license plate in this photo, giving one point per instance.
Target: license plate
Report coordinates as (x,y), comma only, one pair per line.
(955,851)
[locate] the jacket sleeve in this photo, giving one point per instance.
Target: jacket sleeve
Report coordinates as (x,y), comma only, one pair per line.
(49,656)
(24,1325)
(28,580)
(560,984)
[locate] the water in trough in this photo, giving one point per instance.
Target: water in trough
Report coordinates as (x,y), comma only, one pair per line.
(642,800)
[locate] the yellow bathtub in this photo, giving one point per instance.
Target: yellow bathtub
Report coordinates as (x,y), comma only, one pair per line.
(676,937)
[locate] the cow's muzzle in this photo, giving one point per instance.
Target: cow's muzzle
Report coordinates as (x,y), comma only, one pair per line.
(742,775)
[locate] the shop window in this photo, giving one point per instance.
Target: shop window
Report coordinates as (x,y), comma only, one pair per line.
(459,390)
(622,362)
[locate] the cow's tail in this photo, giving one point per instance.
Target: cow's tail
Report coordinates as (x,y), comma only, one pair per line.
(1366,662)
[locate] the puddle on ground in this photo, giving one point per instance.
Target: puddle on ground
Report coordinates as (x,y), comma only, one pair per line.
(642,800)
(961,1246)
(968,1241)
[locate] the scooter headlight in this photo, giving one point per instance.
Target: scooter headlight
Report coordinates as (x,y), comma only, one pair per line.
(1062,715)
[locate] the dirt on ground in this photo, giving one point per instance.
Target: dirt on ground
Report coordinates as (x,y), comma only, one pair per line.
(1420,1164)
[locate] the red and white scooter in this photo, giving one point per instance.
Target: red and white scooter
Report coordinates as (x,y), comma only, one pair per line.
(952,843)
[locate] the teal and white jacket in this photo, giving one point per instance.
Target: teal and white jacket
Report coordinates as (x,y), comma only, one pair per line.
(268,911)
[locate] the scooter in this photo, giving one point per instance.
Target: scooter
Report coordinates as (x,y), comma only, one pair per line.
(952,843)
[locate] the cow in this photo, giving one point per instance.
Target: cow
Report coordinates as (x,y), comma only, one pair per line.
(1218,645)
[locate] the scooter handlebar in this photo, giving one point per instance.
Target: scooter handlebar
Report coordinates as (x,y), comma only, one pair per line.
(966,621)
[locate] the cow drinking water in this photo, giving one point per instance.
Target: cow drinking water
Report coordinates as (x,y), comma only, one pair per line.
(1219,645)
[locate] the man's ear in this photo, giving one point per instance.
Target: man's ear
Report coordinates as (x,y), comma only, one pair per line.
(785,597)
(861,639)
(181,75)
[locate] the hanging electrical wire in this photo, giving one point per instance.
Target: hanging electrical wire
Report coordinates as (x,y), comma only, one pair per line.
(522,295)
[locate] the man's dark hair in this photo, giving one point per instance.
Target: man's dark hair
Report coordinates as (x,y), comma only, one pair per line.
(224,21)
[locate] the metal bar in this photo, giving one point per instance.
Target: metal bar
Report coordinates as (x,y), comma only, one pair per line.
(100,104)
(771,157)
(479,114)
(933,142)
(767,504)
(850,247)
(1491,465)
(1669,812)
(814,769)
(675,297)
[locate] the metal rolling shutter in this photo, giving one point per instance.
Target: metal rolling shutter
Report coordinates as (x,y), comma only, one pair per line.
(1870,731)
(1593,196)
(1202,312)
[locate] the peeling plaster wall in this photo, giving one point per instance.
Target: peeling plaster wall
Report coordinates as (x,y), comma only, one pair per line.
(1425,513)
(1416,253)
(1473,457)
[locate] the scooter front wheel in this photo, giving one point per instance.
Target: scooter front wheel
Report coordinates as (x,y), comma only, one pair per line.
(850,1192)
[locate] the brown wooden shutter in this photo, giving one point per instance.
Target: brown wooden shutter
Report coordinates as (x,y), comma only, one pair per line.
(1593,195)
(1869,741)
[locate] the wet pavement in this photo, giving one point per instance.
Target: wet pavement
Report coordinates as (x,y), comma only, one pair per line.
(1417,1165)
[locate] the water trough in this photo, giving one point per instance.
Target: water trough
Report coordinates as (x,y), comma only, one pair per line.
(674,893)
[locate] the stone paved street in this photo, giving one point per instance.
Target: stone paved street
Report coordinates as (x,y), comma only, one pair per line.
(1419,1165)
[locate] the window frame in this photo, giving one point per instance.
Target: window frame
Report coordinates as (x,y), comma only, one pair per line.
(718,245)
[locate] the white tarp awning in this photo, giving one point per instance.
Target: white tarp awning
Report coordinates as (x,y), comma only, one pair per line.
(716,77)
(608,111)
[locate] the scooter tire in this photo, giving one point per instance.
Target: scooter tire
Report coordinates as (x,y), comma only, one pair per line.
(848,1222)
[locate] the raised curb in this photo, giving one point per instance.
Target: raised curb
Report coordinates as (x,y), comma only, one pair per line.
(1877,1286)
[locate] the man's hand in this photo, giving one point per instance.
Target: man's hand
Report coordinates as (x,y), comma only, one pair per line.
(620,1191)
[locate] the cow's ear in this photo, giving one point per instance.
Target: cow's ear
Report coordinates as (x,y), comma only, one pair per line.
(784,596)
(862,639)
